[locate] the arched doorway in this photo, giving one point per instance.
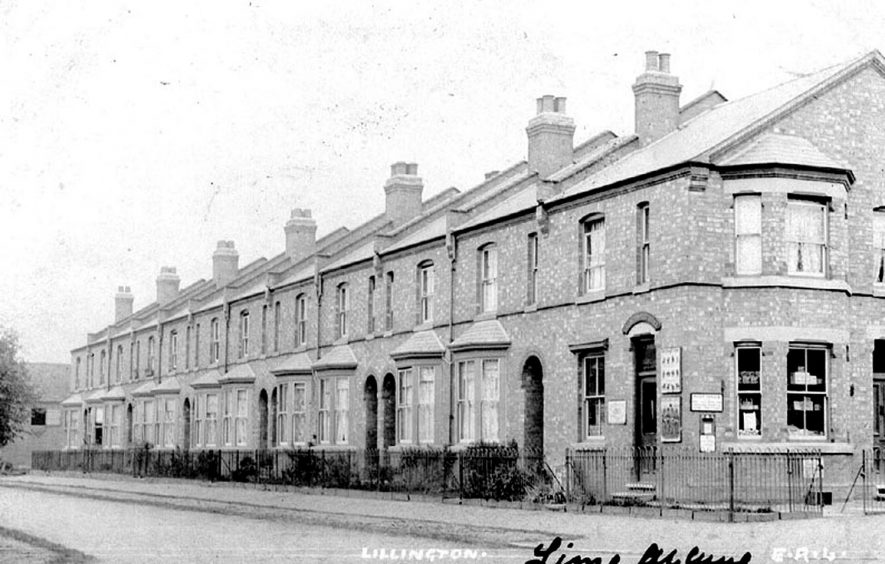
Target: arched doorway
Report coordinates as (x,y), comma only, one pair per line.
(274,410)
(533,384)
(129,423)
(262,420)
(388,402)
(370,396)
(186,416)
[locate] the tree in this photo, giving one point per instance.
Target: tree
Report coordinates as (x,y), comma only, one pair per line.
(16,392)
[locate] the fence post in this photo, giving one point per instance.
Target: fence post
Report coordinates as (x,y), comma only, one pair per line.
(820,482)
(604,477)
(863,472)
(461,475)
(730,486)
(661,494)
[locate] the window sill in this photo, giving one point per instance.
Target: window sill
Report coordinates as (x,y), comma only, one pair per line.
(878,290)
(426,326)
(530,308)
(594,296)
(790,445)
(486,316)
(370,336)
(464,445)
(805,282)
(594,443)
(388,333)
(333,448)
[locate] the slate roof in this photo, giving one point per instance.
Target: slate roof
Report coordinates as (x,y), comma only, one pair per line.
(294,364)
(168,386)
(240,373)
(773,148)
(96,396)
(340,357)
(73,400)
(483,334)
(144,390)
(207,380)
(698,138)
(420,344)
(115,394)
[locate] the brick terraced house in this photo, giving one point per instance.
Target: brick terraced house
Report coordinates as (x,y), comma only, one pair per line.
(715,280)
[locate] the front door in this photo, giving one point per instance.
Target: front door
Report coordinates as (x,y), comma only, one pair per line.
(646,413)
(879,423)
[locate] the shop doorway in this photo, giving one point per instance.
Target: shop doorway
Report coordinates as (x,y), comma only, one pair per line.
(646,400)
(879,406)
(370,396)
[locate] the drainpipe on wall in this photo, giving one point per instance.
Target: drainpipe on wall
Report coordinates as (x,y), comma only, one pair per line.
(452,271)
(159,352)
(226,312)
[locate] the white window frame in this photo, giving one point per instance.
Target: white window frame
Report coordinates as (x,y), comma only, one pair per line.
(211,438)
(467,384)
(299,413)
(342,411)
(822,245)
(405,397)
(748,234)
(173,350)
(426,284)
(879,245)
(324,411)
(243,351)
(214,341)
(426,399)
(490,400)
(282,414)
(593,396)
(593,236)
(532,269)
(343,304)
(301,320)
(241,423)
(488,264)
(749,391)
(797,391)
(643,241)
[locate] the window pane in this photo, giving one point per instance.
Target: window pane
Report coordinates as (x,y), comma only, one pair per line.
(747,215)
(749,254)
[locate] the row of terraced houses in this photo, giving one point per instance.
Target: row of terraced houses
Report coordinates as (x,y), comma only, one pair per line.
(713,281)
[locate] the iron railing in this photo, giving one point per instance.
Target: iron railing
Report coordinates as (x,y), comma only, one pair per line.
(682,479)
(490,472)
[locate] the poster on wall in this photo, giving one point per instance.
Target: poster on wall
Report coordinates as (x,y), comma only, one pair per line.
(671,370)
(617,412)
(671,419)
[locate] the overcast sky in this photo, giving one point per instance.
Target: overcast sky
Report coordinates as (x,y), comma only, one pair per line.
(134,135)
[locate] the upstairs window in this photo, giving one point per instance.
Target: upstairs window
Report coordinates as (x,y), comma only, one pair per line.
(264,329)
(879,244)
(173,350)
(807,390)
(300,321)
(187,347)
(118,373)
(388,302)
(748,234)
(102,367)
(343,305)
(643,246)
(594,254)
(425,293)
(806,237)
(748,359)
(243,351)
(370,306)
(531,297)
(277,313)
(150,354)
(197,346)
(137,359)
(214,341)
(488,271)
(77,374)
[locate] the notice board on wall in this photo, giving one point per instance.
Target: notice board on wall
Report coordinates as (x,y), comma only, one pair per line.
(671,370)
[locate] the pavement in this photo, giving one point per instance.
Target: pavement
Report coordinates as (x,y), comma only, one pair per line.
(511,534)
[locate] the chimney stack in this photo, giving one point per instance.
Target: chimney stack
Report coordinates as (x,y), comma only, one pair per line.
(225,263)
(301,235)
(403,192)
(167,285)
(657,99)
(123,303)
(551,137)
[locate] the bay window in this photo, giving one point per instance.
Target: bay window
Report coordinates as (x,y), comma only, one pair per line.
(806,237)
(404,398)
(748,234)
(749,397)
(299,413)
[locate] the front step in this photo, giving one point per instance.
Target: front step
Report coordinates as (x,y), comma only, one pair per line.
(633,498)
(641,487)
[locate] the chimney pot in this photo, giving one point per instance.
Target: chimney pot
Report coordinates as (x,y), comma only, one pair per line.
(301,230)
(225,263)
(167,285)
(656,93)
(123,303)
(550,136)
(403,192)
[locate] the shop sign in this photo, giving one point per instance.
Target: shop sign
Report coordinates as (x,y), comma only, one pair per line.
(706,403)
(671,419)
(671,370)
(617,412)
